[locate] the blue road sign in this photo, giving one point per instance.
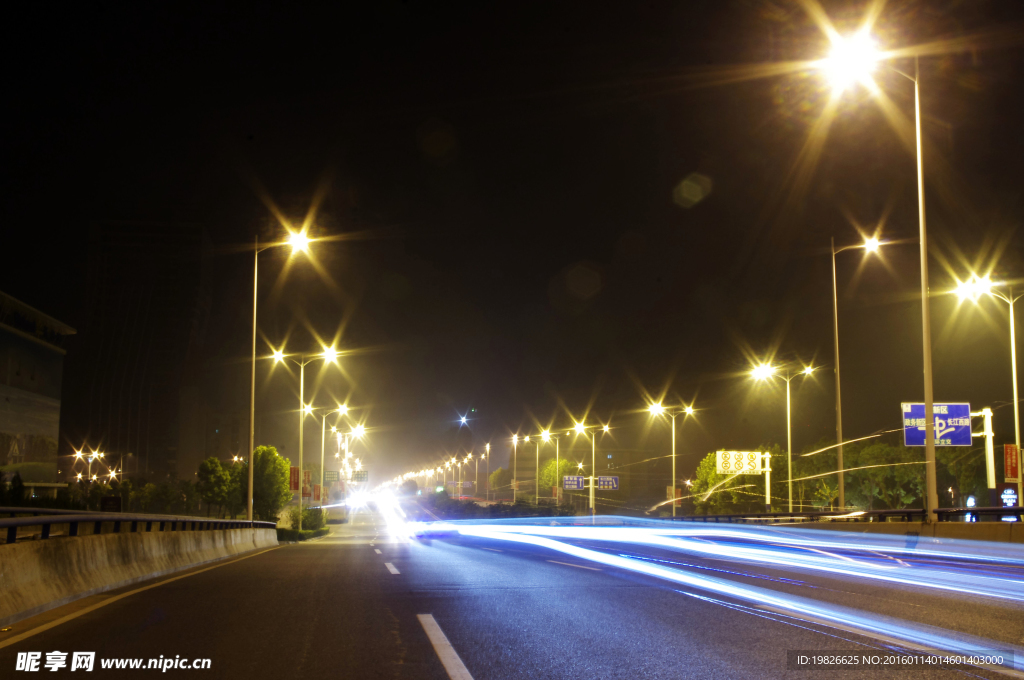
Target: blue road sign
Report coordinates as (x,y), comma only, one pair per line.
(573,482)
(608,483)
(952,424)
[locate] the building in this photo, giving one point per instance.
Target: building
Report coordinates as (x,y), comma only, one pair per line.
(147,309)
(31,376)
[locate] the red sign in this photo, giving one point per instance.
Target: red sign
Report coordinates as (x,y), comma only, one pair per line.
(307,483)
(293,479)
(316,492)
(1011,462)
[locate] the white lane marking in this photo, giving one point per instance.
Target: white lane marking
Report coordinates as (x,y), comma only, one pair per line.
(494,550)
(391,568)
(570,564)
(445,652)
(111,600)
(376,551)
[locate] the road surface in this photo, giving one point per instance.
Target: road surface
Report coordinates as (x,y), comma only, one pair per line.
(367,601)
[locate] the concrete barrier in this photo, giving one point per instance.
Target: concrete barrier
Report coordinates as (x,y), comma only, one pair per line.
(40,575)
(999,532)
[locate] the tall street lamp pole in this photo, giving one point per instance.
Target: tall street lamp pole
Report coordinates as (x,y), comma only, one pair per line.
(973,289)
(581,428)
(329,355)
(870,245)
(765,372)
(515,465)
(852,59)
(298,242)
(658,410)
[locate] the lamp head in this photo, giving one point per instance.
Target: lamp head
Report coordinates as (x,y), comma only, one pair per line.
(762,372)
(298,241)
(656,409)
(852,59)
(580,428)
(974,288)
(872,244)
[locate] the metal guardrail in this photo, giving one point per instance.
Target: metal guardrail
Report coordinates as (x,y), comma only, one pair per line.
(138,522)
(12,511)
(908,515)
(947,514)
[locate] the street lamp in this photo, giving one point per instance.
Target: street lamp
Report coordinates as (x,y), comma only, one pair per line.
(299,242)
(659,410)
(853,58)
(973,289)
(546,436)
(581,429)
(515,465)
(764,372)
(328,355)
(870,245)
(342,409)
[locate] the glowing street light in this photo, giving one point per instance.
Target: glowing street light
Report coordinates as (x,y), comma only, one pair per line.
(870,245)
(658,410)
(763,372)
(581,429)
(852,60)
(328,355)
(298,242)
(973,289)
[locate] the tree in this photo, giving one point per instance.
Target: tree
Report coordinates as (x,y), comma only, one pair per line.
(500,480)
(550,477)
(270,490)
(213,483)
(408,488)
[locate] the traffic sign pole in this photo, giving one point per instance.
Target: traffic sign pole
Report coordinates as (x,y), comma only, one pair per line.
(767,482)
(990,455)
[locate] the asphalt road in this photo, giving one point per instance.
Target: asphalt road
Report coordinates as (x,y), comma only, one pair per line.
(334,608)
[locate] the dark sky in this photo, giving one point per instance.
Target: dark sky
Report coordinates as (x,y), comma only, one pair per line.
(510,171)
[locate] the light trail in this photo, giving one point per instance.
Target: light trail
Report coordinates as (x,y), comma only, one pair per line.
(783,553)
(921,637)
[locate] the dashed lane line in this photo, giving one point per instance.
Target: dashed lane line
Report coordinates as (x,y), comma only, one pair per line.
(570,564)
(391,568)
(445,652)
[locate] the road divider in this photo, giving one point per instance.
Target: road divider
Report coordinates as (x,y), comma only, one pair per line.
(39,575)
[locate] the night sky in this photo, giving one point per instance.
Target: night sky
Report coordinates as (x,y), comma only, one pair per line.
(506,179)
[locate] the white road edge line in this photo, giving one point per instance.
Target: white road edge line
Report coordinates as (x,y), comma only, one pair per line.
(445,652)
(570,564)
(376,551)
(391,568)
(494,550)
